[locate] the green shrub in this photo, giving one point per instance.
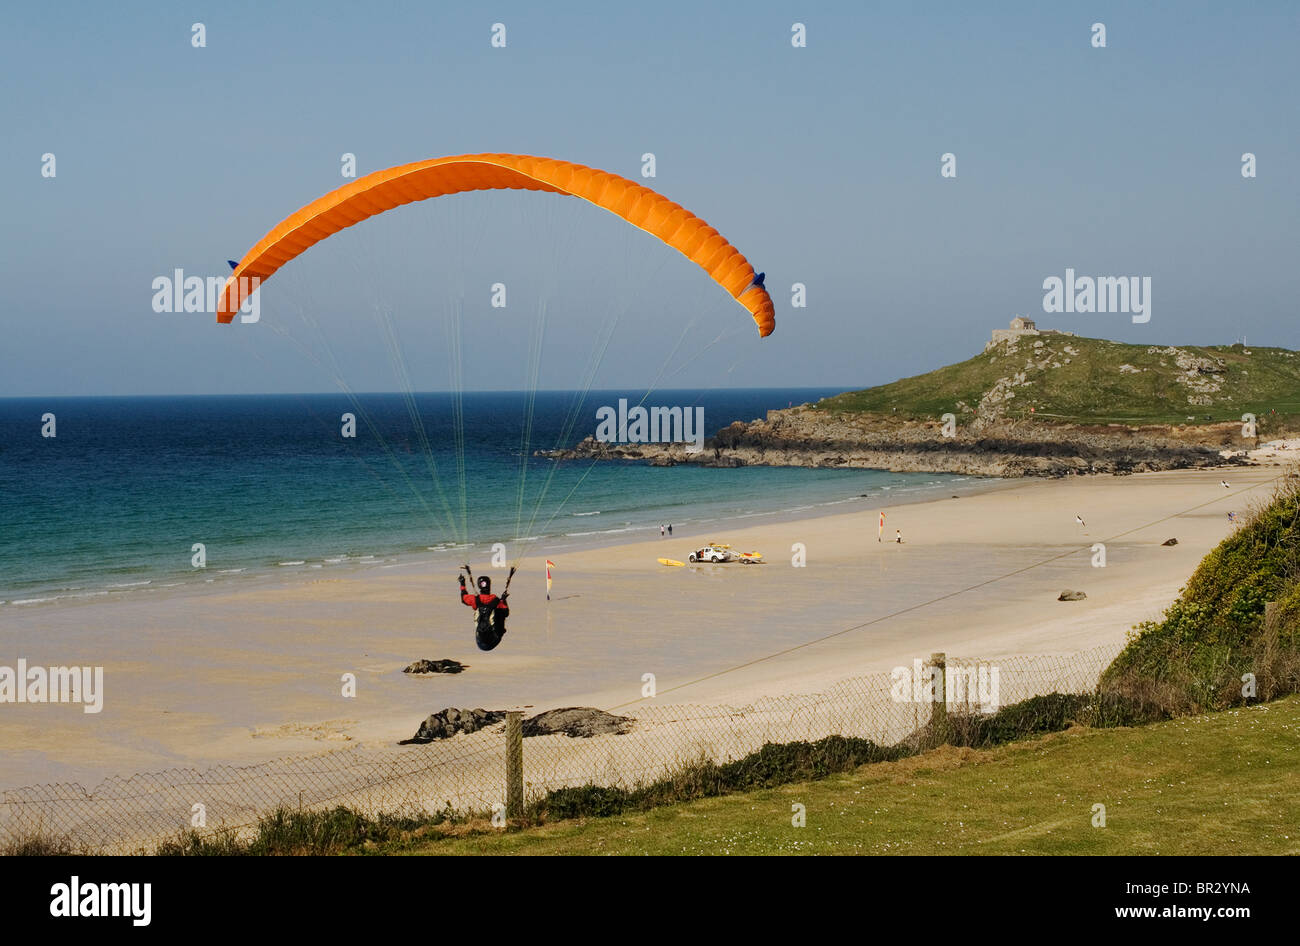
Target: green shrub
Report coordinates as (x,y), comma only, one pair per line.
(1194,658)
(292,832)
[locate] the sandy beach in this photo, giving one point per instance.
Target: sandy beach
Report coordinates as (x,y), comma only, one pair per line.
(247,675)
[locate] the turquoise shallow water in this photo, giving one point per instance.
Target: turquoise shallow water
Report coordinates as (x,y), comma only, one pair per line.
(117,500)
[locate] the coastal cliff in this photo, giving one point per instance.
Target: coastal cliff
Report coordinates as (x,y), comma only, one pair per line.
(808,437)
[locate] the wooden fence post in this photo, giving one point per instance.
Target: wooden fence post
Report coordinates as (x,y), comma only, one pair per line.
(939,707)
(514,764)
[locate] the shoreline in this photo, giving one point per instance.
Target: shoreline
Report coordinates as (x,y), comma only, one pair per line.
(450,556)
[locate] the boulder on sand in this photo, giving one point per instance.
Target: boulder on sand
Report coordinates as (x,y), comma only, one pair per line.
(1169,542)
(1068,595)
(581,721)
(577,721)
(448,722)
(435,666)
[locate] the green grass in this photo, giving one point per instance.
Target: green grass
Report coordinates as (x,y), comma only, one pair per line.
(1091,389)
(1226,783)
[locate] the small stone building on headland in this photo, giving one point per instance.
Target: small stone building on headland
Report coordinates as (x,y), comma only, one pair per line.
(1020,326)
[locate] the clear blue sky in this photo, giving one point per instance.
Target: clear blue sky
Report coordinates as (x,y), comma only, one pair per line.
(821,165)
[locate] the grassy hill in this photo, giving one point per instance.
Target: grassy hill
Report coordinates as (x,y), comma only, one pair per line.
(1193,659)
(1092,380)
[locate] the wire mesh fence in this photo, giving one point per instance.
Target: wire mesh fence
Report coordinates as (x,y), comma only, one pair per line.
(466,773)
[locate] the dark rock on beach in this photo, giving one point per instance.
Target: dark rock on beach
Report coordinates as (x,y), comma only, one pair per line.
(1169,542)
(448,722)
(580,721)
(435,666)
(1071,596)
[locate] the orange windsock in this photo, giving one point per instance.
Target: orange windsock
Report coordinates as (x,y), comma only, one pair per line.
(384,190)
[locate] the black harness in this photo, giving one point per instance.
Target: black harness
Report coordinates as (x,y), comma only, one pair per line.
(489,619)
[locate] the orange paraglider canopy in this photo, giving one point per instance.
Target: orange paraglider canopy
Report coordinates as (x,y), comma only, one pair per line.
(384,190)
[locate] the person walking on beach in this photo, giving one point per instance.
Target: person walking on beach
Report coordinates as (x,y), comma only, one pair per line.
(898,536)
(670,528)
(661,530)
(880,529)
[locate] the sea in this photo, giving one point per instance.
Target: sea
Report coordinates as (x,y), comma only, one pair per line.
(137,495)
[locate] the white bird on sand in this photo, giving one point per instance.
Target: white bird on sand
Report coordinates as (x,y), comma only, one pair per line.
(1224,484)
(1079,519)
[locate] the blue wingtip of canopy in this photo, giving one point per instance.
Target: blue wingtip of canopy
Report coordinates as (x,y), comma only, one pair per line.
(234,264)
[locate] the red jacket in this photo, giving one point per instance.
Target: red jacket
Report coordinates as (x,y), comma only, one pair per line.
(476,601)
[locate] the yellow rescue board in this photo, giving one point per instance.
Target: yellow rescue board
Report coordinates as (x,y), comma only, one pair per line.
(671,561)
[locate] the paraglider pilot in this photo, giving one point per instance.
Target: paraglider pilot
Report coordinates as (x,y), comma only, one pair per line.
(490,612)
